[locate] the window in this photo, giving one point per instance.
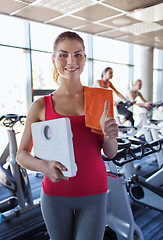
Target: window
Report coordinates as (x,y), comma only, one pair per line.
(13,81)
(158,75)
(43,36)
(110,50)
(12,32)
(42,70)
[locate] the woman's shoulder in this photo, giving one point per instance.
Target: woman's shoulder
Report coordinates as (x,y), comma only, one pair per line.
(97,83)
(37,109)
(38,103)
(130,91)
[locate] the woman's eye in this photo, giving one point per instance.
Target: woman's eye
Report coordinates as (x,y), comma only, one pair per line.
(78,55)
(63,55)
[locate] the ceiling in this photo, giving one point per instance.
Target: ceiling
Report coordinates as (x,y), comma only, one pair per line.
(133,21)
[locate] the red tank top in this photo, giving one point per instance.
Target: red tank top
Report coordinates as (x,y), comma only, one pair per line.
(102,84)
(91,176)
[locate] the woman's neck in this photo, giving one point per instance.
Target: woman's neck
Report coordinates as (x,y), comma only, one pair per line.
(70,89)
(135,90)
(106,79)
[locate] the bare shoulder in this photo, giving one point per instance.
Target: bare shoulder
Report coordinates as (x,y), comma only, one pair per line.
(130,92)
(39,103)
(37,111)
(97,83)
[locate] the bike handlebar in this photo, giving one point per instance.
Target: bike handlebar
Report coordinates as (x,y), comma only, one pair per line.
(126,155)
(154,121)
(153,106)
(126,104)
(123,143)
(9,120)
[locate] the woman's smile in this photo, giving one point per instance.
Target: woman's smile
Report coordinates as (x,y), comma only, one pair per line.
(71,69)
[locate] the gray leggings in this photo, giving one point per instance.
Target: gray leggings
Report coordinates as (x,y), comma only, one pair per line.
(74,218)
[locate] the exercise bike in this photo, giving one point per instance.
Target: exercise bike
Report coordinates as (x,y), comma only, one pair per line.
(147,191)
(151,192)
(118,110)
(120,223)
(12,176)
(153,132)
(7,205)
(151,129)
(119,213)
(148,130)
(146,116)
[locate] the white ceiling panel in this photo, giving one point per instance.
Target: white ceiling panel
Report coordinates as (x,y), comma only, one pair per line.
(135,21)
(92,28)
(112,34)
(150,14)
(96,12)
(10,6)
(141,28)
(152,34)
(69,22)
(37,14)
(65,6)
(120,21)
(130,5)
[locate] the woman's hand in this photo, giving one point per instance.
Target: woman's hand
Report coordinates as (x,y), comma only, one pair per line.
(108,124)
(53,171)
(116,103)
(148,104)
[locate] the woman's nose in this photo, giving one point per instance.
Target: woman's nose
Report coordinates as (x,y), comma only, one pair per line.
(70,59)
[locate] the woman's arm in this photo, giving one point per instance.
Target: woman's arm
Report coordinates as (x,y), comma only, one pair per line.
(118,93)
(110,131)
(52,169)
(132,98)
(144,102)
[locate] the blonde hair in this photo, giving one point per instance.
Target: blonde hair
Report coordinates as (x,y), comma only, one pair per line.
(68,35)
(133,82)
(55,75)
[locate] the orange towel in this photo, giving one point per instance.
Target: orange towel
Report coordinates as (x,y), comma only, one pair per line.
(94,106)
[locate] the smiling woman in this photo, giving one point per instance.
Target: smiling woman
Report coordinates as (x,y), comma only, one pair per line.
(74,59)
(77,203)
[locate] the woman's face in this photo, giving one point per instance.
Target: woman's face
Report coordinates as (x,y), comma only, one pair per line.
(138,85)
(69,59)
(108,74)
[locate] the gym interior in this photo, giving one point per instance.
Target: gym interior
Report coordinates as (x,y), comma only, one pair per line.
(126,36)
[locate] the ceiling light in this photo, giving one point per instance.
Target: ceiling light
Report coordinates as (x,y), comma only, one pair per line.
(121,21)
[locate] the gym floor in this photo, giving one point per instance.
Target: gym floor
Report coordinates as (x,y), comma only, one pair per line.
(30,225)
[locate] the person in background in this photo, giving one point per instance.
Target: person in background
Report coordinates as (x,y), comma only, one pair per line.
(134,92)
(105,82)
(73,208)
